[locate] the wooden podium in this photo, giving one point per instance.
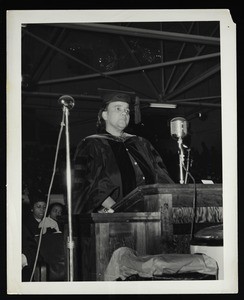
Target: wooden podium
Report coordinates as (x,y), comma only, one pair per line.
(152,219)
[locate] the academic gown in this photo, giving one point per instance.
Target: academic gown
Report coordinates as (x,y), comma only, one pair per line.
(105,165)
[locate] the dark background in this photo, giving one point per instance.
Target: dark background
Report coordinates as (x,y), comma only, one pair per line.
(47,74)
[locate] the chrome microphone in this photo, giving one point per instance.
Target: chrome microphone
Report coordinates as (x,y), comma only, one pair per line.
(178,127)
(178,130)
(67,101)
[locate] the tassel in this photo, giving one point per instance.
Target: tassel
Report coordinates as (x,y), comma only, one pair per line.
(137,110)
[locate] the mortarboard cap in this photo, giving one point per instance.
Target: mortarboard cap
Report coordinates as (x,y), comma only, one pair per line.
(109,96)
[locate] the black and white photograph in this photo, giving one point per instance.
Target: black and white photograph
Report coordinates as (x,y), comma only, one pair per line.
(121,126)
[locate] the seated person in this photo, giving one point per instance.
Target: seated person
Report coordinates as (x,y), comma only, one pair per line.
(52,246)
(29,248)
(34,220)
(55,211)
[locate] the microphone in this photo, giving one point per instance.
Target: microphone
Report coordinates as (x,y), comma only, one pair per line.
(67,101)
(178,130)
(178,127)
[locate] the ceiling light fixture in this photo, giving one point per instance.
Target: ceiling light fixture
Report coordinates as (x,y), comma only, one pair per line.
(162,105)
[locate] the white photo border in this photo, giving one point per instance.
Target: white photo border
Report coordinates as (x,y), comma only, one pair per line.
(15,20)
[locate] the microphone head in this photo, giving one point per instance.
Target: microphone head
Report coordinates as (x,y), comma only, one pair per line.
(178,127)
(67,101)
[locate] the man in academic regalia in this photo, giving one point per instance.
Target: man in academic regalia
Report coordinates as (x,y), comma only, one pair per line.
(110,164)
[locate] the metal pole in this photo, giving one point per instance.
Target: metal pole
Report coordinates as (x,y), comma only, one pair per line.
(181,159)
(70,242)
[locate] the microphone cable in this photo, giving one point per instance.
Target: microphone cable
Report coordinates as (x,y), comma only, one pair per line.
(194,207)
(48,195)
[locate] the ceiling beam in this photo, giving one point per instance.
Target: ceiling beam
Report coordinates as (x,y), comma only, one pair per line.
(47,55)
(178,57)
(57,95)
(162,60)
(80,62)
(134,58)
(144,33)
(197,99)
(186,103)
(199,50)
(130,70)
(94,98)
(198,79)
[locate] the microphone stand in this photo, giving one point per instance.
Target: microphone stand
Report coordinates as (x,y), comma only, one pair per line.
(187,164)
(70,242)
(181,159)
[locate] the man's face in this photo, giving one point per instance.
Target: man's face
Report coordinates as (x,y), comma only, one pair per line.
(117,116)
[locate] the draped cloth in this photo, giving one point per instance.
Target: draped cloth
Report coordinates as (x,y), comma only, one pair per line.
(105,165)
(125,262)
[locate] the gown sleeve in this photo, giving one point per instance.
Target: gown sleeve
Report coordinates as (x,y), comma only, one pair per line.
(92,184)
(162,175)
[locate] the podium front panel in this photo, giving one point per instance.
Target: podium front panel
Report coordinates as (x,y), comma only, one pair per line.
(152,219)
(101,234)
